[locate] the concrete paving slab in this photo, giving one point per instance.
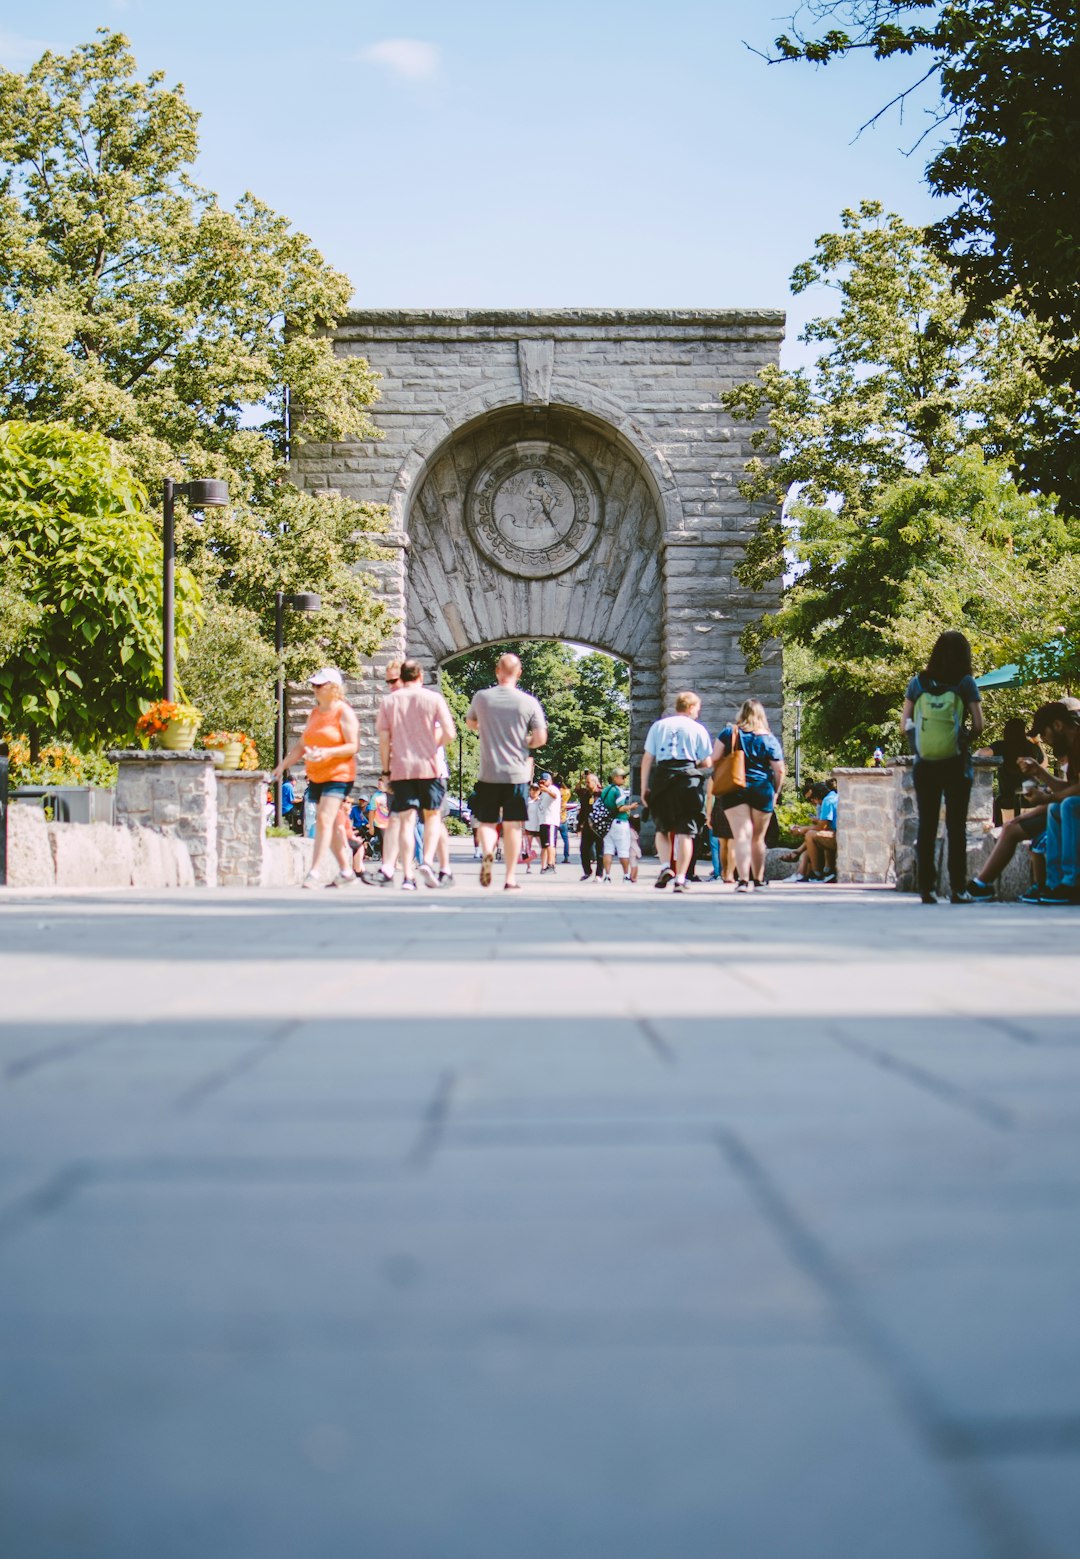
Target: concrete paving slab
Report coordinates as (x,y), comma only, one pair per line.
(574,1222)
(473,1454)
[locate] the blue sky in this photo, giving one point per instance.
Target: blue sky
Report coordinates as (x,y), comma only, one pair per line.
(495,154)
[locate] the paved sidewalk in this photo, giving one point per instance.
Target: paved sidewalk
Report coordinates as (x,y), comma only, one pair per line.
(586,1223)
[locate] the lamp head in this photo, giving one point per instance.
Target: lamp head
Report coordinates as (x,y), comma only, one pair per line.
(205,493)
(304,601)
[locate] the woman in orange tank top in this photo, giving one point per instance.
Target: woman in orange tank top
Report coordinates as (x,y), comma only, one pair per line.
(328,748)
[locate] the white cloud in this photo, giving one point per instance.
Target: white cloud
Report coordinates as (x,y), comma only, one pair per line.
(17,52)
(409,58)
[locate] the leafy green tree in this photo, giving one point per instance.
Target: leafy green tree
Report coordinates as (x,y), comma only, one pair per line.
(138,306)
(73,524)
(585,698)
(18,614)
(306,543)
(230,674)
(1009,165)
(899,517)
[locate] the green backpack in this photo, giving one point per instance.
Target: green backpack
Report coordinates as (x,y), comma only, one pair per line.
(939,718)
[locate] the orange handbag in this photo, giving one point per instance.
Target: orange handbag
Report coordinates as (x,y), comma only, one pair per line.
(729,772)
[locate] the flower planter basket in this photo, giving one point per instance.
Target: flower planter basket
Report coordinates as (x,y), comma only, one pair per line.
(179,736)
(231,754)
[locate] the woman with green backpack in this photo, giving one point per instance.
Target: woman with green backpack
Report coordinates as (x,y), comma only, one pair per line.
(942,712)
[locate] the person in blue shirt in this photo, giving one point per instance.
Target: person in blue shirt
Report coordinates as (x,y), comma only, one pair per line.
(673,769)
(748,810)
(819,838)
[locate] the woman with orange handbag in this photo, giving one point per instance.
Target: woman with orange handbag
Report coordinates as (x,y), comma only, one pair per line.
(747,778)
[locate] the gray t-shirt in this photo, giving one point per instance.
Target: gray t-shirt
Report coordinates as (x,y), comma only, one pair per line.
(505,716)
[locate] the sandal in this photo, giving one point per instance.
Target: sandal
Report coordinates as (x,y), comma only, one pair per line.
(511,887)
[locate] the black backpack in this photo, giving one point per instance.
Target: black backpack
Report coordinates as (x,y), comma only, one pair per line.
(600,818)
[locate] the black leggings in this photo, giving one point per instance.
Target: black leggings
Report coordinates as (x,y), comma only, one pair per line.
(936,779)
(592,851)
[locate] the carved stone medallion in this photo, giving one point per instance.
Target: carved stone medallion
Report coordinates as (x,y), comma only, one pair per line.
(534,509)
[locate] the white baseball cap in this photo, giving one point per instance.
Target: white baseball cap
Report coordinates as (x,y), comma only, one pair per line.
(326,674)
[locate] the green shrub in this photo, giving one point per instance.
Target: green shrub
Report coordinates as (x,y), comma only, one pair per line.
(790,813)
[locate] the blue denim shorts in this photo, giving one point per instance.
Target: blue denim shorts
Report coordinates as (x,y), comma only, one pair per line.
(317,789)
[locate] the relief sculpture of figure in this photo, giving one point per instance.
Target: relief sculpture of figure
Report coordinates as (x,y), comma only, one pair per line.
(534,509)
(531,516)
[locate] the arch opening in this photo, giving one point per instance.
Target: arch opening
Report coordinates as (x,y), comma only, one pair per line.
(585,692)
(466,586)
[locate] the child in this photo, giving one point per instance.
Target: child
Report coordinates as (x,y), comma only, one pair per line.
(635,846)
(530,839)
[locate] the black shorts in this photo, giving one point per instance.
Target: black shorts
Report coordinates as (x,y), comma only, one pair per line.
(760,798)
(677,803)
(417,795)
(547,835)
(317,789)
(501,803)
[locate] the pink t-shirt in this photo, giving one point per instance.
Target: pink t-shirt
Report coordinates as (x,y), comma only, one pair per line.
(409,717)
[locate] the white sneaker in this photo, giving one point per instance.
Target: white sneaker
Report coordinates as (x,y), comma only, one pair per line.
(344,879)
(427,871)
(311,881)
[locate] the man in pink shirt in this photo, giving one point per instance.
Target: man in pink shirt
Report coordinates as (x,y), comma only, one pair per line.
(413,723)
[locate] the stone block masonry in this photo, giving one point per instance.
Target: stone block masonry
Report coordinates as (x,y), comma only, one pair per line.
(489,417)
(93,855)
(241,827)
(175,793)
(877,823)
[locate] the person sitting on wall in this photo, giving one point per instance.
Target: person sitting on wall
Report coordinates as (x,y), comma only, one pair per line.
(1059,727)
(817,857)
(1029,824)
(1014,744)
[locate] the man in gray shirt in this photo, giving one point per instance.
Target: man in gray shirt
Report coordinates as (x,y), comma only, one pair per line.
(510,724)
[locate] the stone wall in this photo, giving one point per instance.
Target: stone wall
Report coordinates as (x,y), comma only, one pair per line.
(634,395)
(877,823)
(241,827)
(286,862)
(176,794)
(866,825)
(92,855)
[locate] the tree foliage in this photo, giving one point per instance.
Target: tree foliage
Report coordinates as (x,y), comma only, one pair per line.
(586,699)
(74,527)
(1009,165)
(137,305)
(305,543)
(890,457)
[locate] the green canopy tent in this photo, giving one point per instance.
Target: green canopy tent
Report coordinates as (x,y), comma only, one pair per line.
(1012,676)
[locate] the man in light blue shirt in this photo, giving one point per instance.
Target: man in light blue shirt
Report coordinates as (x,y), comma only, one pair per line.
(678,751)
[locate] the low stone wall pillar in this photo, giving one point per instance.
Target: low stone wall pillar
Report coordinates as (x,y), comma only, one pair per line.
(174,793)
(979,820)
(878,820)
(241,827)
(865,824)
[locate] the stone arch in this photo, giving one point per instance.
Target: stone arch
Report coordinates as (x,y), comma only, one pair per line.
(611,597)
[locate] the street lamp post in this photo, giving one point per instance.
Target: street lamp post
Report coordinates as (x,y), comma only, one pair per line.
(460,767)
(798,746)
(305,601)
(199,495)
